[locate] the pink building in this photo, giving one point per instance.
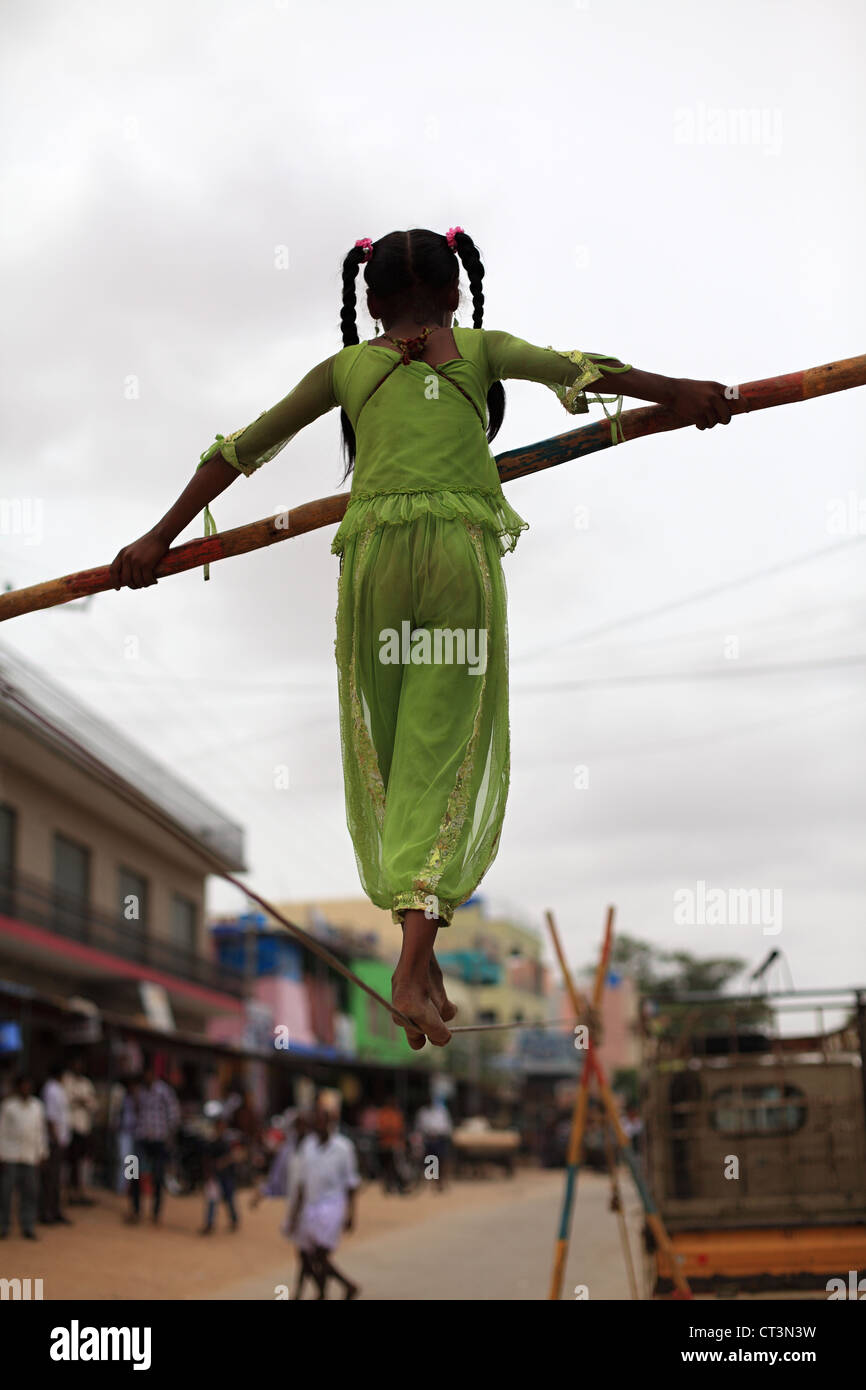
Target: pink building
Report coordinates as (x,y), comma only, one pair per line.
(619,1049)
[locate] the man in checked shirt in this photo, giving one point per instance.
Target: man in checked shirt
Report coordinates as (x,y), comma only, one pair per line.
(151,1113)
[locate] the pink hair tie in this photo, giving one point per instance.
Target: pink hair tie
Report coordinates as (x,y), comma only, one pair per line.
(451,236)
(367,245)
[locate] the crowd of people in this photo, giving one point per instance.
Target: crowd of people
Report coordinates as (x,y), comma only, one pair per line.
(57,1137)
(45,1147)
(47,1158)
(396,1152)
(305,1158)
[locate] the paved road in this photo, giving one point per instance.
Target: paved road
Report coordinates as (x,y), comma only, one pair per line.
(490,1238)
(499,1252)
(482,1240)
(494,1244)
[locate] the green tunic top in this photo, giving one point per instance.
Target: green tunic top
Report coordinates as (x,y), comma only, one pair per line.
(423,460)
(420,432)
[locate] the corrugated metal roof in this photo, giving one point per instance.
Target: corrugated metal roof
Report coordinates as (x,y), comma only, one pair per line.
(148,781)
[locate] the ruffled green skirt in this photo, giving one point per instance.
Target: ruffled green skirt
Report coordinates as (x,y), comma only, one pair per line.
(422,657)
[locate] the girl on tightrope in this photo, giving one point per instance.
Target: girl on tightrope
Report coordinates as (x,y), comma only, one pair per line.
(421,641)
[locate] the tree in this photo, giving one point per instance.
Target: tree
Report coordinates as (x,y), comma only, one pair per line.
(668,973)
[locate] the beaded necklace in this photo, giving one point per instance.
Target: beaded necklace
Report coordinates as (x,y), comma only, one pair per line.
(410,348)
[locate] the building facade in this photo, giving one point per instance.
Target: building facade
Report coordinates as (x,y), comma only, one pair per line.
(103,861)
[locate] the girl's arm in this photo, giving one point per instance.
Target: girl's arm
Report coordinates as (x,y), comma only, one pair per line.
(134,565)
(245,451)
(703,403)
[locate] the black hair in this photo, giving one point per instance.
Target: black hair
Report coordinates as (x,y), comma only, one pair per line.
(413,270)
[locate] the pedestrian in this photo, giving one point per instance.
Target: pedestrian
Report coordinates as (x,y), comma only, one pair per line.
(303,1128)
(120,1143)
(122,1119)
(56,1103)
(391,1134)
(367,1141)
(295,1128)
(151,1114)
(424,733)
(23,1148)
(323,1184)
(633,1126)
(433,1123)
(81,1094)
(220,1176)
(239,1111)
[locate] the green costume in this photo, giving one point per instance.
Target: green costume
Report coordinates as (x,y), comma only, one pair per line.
(422,642)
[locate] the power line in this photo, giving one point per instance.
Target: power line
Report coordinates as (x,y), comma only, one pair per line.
(824,552)
(716,736)
(673,677)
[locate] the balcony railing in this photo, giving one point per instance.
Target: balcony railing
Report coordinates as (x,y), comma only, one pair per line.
(30,900)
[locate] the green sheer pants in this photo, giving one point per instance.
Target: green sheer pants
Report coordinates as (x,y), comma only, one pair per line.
(422,657)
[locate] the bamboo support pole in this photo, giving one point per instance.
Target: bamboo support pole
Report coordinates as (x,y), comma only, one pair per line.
(653,1219)
(594,1068)
(581,1102)
(516,463)
(617,1206)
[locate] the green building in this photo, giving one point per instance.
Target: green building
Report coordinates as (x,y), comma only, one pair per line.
(377,1037)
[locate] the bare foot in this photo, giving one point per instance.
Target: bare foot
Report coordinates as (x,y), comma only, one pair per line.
(416,1003)
(446,1009)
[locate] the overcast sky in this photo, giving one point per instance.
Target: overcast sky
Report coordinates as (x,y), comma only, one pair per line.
(677,184)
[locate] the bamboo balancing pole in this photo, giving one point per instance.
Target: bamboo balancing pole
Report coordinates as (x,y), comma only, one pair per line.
(517,463)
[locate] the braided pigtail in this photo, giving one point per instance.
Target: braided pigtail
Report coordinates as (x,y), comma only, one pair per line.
(471,260)
(412,274)
(349,329)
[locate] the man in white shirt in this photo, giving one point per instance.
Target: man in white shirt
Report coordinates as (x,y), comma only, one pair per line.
(23,1146)
(56,1104)
(323,1182)
(433,1123)
(81,1094)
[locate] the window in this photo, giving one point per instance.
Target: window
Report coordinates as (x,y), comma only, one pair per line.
(132,900)
(183,924)
(379,1024)
(767,1109)
(71,884)
(7,859)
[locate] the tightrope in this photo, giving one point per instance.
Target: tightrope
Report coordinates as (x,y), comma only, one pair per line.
(311,942)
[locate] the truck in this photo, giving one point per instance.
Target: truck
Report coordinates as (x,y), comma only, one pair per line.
(754,1140)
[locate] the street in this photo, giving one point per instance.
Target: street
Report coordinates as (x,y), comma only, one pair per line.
(484,1239)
